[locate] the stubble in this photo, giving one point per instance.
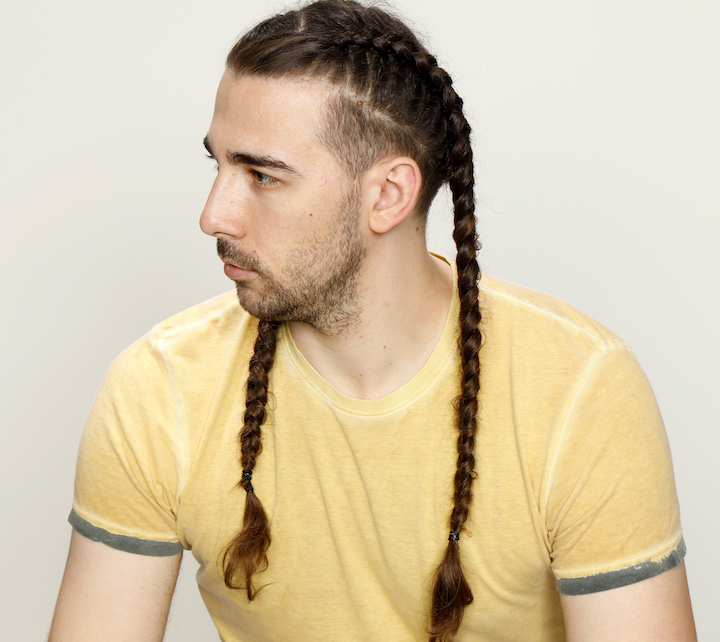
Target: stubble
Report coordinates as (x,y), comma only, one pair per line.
(320,282)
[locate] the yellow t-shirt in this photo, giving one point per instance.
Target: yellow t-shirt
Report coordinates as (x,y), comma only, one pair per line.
(574,493)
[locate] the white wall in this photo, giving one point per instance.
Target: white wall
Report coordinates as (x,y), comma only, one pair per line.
(598,148)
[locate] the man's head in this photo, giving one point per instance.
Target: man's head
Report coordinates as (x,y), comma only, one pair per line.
(388,94)
(338,81)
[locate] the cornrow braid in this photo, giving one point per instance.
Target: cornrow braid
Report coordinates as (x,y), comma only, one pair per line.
(394,98)
(431,97)
(249,547)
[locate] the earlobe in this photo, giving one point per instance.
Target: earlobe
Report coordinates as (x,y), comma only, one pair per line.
(396,185)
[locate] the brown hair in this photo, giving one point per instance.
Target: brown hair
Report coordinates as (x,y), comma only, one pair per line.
(392,97)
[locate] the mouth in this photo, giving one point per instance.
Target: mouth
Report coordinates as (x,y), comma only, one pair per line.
(239,264)
(237,273)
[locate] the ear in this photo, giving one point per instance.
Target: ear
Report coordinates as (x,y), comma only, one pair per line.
(392,187)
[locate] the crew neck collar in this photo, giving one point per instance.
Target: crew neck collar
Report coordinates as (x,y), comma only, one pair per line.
(444,350)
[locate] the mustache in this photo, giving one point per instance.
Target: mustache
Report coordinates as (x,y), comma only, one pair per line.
(240,258)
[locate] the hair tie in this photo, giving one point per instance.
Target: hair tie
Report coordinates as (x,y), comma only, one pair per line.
(454,536)
(247,476)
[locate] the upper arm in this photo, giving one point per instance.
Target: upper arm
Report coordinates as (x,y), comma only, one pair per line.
(653,610)
(108,594)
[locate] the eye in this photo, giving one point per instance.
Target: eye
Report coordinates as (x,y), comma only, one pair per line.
(263,179)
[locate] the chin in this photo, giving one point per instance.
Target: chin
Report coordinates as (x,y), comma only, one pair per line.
(262,305)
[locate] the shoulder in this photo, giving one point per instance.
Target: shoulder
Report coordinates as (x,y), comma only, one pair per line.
(160,387)
(549,352)
(209,318)
(201,335)
(508,307)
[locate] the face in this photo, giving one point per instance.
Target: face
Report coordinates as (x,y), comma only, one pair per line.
(285,215)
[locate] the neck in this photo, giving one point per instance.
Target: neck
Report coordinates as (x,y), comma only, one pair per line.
(404,302)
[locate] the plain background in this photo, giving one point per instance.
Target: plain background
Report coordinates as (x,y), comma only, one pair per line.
(597,141)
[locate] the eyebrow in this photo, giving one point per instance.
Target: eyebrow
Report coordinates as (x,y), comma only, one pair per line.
(245,158)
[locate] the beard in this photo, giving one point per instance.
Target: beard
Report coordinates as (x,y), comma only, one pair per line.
(321,276)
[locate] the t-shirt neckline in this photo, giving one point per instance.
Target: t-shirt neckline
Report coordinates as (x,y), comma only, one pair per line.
(445,348)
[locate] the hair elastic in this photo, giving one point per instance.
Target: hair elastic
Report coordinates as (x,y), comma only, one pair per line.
(454,536)
(247,476)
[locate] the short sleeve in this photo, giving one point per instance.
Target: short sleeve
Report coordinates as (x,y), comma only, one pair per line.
(612,509)
(129,467)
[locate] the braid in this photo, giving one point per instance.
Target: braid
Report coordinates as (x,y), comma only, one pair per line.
(250,545)
(451,592)
(394,98)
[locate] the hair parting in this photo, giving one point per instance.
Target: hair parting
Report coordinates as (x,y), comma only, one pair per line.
(393,97)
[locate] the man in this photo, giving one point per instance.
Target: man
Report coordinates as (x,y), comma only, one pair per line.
(382,420)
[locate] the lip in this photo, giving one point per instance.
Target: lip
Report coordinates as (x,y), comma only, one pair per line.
(237,273)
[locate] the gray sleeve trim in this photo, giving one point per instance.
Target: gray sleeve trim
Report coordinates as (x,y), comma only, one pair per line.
(622,577)
(123,542)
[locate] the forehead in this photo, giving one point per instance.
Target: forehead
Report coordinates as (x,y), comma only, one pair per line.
(276,117)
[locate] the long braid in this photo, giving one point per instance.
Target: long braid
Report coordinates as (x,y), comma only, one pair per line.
(451,592)
(394,98)
(250,545)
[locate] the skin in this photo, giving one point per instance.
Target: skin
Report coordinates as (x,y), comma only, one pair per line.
(286,218)
(282,218)
(654,610)
(113,596)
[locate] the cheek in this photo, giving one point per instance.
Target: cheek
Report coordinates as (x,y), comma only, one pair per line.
(296,220)
(279,231)
(293,221)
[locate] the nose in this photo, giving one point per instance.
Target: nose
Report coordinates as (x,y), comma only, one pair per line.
(222,215)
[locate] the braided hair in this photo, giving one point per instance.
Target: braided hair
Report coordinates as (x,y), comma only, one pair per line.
(392,96)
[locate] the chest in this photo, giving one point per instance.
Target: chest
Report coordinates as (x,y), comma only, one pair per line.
(359,513)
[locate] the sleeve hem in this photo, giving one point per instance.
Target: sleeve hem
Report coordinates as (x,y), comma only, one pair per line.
(123,542)
(621,577)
